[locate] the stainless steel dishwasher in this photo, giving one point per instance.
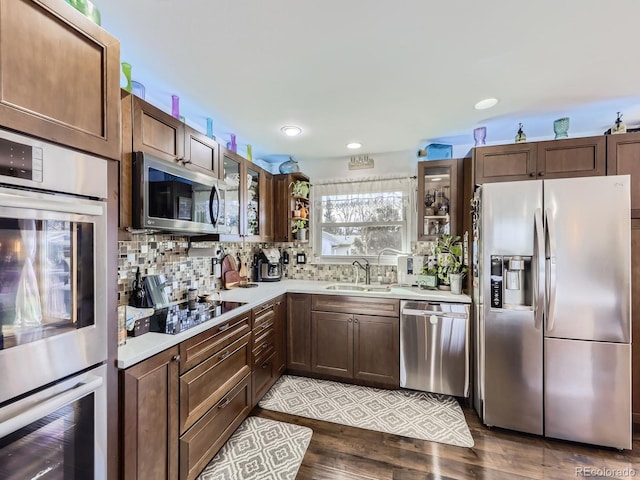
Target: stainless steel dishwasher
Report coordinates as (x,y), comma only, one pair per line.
(434,347)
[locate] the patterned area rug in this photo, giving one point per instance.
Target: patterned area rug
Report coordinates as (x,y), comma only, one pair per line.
(421,415)
(260,449)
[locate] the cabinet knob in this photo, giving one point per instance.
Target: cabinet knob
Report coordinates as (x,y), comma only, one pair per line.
(355,320)
(349,321)
(541,174)
(175,358)
(532,174)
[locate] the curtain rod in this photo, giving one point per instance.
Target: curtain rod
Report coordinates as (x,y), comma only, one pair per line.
(362,180)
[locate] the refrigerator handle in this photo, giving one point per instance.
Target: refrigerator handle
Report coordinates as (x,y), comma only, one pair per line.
(539,269)
(551,269)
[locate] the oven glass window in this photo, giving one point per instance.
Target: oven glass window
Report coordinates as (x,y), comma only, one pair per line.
(46,279)
(58,446)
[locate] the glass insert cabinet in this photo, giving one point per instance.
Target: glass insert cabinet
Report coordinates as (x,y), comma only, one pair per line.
(438,198)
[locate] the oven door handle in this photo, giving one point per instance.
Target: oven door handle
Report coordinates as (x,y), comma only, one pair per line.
(9,200)
(50,405)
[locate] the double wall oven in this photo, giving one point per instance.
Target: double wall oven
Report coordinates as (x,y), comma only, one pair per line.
(53,311)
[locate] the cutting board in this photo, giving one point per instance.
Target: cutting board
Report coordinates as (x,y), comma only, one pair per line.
(230,275)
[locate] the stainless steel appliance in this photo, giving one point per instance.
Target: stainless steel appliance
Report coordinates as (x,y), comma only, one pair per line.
(269,266)
(553,330)
(53,307)
(409,267)
(171,198)
(434,347)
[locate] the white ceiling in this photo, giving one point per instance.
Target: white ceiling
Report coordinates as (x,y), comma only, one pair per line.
(393,75)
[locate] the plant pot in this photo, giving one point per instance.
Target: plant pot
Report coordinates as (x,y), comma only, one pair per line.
(455,279)
(301,234)
(428,282)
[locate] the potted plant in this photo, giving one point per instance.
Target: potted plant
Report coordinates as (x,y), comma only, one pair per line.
(299,230)
(300,188)
(428,278)
(449,263)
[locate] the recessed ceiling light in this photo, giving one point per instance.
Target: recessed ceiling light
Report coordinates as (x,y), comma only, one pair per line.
(354,145)
(486,103)
(291,130)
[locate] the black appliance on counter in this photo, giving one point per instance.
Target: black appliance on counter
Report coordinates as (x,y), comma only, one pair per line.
(268,268)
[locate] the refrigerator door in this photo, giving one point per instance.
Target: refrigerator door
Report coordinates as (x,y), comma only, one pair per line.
(588,250)
(512,350)
(588,392)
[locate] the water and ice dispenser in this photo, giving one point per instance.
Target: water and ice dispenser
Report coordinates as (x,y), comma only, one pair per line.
(511,282)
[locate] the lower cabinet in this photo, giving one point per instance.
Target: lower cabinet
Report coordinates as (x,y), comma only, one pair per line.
(299,332)
(347,342)
(149,409)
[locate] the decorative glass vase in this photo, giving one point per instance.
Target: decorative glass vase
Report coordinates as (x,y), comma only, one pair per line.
(290,166)
(249,153)
(561,127)
(126,70)
(137,89)
(175,106)
(210,128)
(233,145)
(479,136)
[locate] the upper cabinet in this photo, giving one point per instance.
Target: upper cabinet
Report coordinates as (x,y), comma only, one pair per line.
(156,132)
(291,208)
(573,157)
(200,152)
(59,76)
(623,157)
(439,198)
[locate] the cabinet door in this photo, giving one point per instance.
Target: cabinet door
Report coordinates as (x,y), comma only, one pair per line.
(156,132)
(262,378)
(253,193)
(376,350)
(279,325)
(439,195)
(623,157)
(233,184)
(267,207)
(149,401)
(505,163)
(284,205)
(332,344)
(572,157)
(299,332)
(200,152)
(59,76)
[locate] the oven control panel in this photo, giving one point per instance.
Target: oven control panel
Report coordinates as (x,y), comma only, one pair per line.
(20,161)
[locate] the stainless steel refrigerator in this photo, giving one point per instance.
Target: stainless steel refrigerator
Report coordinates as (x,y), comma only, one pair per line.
(553,316)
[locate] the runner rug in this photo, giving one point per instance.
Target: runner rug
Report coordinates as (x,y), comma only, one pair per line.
(260,449)
(420,415)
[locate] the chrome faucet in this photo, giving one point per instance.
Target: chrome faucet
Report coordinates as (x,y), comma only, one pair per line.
(389,249)
(367,271)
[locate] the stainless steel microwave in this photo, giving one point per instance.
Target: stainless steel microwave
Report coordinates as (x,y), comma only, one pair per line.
(171,198)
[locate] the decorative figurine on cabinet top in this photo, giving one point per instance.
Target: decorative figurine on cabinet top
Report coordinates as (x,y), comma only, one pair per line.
(479,136)
(618,126)
(561,127)
(520,136)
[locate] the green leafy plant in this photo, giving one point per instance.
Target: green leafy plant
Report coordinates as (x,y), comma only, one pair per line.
(449,257)
(298,225)
(300,188)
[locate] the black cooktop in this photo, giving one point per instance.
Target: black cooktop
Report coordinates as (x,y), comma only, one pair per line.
(178,318)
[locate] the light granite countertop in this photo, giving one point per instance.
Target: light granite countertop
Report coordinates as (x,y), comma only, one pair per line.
(140,348)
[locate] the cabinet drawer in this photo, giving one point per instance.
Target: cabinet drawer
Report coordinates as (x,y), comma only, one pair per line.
(264,346)
(206,344)
(263,313)
(385,307)
(262,378)
(200,444)
(204,385)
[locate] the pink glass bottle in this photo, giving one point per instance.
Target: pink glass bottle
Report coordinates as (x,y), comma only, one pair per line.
(175,106)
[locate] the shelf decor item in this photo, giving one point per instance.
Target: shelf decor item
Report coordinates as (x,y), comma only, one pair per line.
(88,9)
(138,89)
(479,136)
(175,106)
(561,127)
(300,188)
(619,126)
(520,136)
(126,71)
(249,153)
(436,151)
(290,166)
(210,128)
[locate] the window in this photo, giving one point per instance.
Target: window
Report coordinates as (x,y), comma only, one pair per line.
(360,218)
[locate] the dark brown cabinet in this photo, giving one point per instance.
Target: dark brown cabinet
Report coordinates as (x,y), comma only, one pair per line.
(59,76)
(439,198)
(564,158)
(285,204)
(200,152)
(623,157)
(280,328)
(356,338)
(155,131)
(149,409)
(299,332)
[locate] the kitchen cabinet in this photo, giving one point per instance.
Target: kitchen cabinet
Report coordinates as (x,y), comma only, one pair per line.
(149,410)
(280,329)
(564,158)
(623,157)
(155,131)
(299,332)
(263,350)
(356,338)
(200,152)
(59,76)
(285,204)
(440,198)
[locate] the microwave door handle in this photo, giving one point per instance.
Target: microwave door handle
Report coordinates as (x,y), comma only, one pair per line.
(214,210)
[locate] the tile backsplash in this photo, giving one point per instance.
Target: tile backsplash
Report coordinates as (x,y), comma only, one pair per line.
(169,255)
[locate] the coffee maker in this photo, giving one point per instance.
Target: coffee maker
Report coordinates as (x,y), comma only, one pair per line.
(268,268)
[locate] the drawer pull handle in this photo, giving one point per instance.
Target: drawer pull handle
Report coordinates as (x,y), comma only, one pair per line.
(224,327)
(224,403)
(265,326)
(265,345)
(224,355)
(175,358)
(265,365)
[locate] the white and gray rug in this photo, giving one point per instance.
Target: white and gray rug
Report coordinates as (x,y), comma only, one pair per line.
(421,415)
(260,449)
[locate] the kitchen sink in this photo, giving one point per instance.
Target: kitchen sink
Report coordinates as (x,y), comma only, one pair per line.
(349,287)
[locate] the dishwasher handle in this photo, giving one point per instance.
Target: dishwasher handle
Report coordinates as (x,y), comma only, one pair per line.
(429,313)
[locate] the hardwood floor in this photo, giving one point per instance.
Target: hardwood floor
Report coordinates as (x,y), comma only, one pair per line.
(338,452)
